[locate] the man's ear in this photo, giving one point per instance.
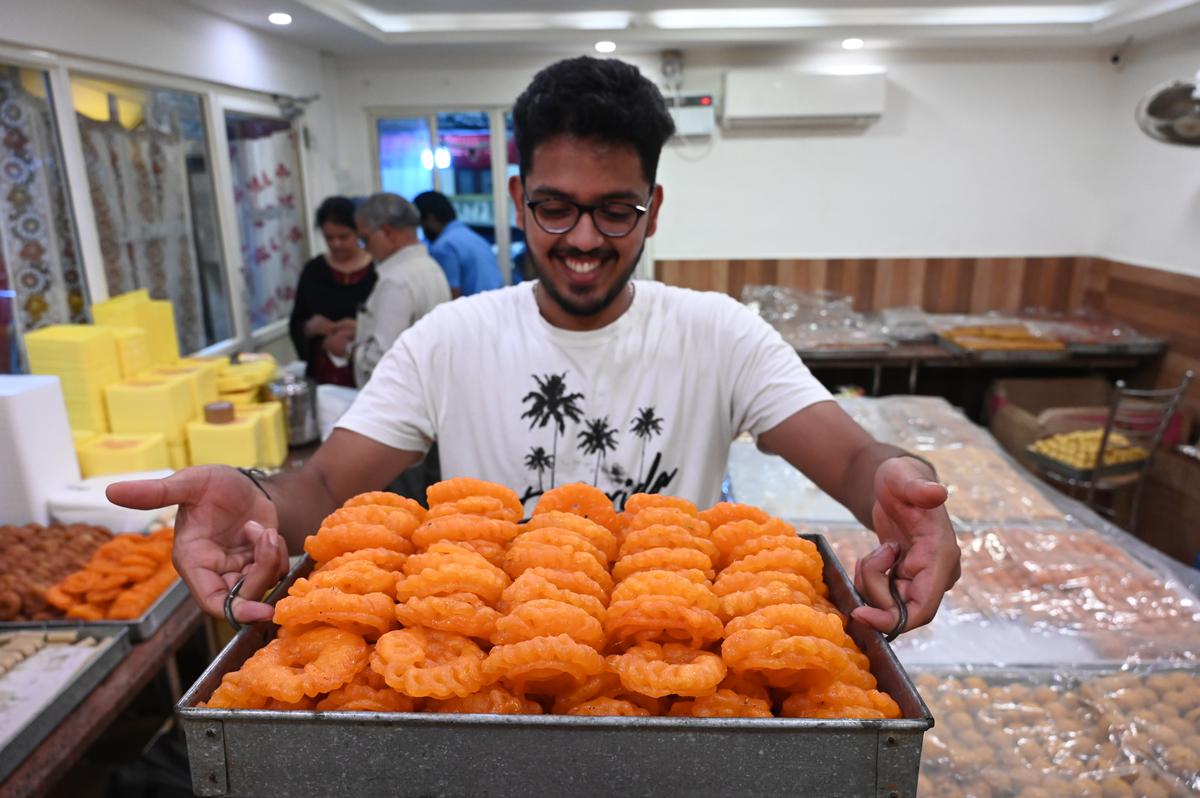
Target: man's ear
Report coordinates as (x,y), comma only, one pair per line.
(516,190)
(656,204)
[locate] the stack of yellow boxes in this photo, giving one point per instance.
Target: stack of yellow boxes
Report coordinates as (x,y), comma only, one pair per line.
(135,405)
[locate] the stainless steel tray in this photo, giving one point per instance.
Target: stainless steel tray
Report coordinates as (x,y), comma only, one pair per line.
(113,647)
(140,628)
(253,752)
(1005,355)
(1081,474)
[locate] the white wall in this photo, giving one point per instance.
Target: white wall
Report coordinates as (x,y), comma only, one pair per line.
(1151,197)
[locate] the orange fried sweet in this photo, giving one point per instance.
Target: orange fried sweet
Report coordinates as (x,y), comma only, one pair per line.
(378,498)
(781,559)
(453,490)
(353,576)
(494,700)
(523,556)
(545,618)
(317,661)
(487,583)
(658,536)
(732,582)
(564,538)
(666,583)
(463,527)
(784,660)
(735,533)
(367,692)
(387,559)
(640,502)
(726,512)
(543,665)
(445,552)
(755,545)
(484,506)
(427,663)
(530,586)
(368,615)
(744,602)
(235,693)
(579,498)
(460,613)
(669,516)
(599,536)
(669,669)
(604,706)
(794,619)
(332,541)
(665,559)
(840,700)
(723,704)
(661,618)
(570,580)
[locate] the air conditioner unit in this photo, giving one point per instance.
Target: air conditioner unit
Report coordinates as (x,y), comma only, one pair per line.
(776,98)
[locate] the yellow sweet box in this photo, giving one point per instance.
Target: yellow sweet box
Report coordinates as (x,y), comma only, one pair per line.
(162,404)
(133,350)
(119,454)
(235,443)
(123,310)
(164,339)
(179,455)
(202,380)
(85,360)
(216,363)
(272,441)
(247,375)
(155,316)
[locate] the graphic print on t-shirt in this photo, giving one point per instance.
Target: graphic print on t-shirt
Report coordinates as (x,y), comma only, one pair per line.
(552,405)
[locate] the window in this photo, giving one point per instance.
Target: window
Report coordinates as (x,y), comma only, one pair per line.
(452,152)
(41,282)
(264,160)
(150,179)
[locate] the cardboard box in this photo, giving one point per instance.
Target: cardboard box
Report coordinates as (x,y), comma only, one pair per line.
(1021,411)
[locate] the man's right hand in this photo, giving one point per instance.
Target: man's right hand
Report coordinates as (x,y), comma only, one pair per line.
(319,326)
(225,529)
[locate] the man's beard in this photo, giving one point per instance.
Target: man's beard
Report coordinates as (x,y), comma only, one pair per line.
(573,306)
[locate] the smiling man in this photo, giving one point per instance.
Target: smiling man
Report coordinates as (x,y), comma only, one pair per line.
(580,375)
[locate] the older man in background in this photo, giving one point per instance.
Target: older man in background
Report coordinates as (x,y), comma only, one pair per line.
(465,256)
(410,283)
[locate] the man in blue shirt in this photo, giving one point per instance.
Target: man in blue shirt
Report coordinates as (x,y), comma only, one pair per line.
(464,255)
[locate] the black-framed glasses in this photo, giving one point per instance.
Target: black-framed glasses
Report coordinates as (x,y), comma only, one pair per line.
(612,219)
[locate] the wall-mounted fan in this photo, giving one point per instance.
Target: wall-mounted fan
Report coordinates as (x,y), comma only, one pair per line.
(1171,112)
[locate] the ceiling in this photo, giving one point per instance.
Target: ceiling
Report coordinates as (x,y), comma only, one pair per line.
(371,28)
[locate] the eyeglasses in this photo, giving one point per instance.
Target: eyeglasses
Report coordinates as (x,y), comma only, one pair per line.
(612,219)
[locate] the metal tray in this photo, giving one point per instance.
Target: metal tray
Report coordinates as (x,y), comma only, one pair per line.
(113,648)
(848,353)
(1005,355)
(140,628)
(1080,474)
(260,752)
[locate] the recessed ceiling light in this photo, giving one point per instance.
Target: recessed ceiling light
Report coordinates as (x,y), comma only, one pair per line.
(606,47)
(852,44)
(279,18)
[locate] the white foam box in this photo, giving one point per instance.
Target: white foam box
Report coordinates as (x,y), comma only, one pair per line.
(37,452)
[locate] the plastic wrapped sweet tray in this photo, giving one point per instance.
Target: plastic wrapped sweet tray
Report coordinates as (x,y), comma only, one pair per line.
(259,752)
(985,488)
(1058,731)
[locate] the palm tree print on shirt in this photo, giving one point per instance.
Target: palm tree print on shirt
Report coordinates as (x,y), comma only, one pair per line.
(537,460)
(645,426)
(598,438)
(552,403)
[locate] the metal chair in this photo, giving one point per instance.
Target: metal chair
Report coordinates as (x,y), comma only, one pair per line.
(1135,418)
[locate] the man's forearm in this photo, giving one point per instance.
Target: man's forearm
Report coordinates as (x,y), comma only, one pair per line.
(302,499)
(858,487)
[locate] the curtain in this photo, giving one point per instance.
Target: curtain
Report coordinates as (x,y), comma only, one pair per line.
(267,191)
(37,242)
(139,186)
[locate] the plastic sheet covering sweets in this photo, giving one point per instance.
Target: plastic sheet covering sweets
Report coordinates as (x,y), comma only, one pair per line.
(1061,732)
(985,488)
(770,483)
(1038,596)
(923,423)
(816,320)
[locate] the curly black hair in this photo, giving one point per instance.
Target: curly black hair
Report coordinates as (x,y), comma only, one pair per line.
(593,98)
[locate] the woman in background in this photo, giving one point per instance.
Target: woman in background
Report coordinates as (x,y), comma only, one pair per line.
(332,288)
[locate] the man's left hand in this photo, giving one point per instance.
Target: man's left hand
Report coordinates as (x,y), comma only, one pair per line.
(914,528)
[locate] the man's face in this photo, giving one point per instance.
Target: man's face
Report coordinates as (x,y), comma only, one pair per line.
(582,270)
(341,241)
(376,242)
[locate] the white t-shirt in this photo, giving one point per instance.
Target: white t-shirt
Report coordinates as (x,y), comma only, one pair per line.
(649,403)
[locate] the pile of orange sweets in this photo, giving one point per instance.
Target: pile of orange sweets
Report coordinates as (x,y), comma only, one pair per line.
(120,582)
(656,610)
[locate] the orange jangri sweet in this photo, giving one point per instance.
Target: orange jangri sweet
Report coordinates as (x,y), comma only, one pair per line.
(522,557)
(235,693)
(663,559)
(379,498)
(564,538)
(582,499)
(487,583)
(494,700)
(744,602)
(747,683)
(397,519)
(368,615)
(840,700)
(530,586)
(735,533)
(755,545)
(666,583)
(317,661)
(794,619)
(726,512)
(367,692)
(445,552)
(354,576)
(332,541)
(723,704)
(662,618)
(639,502)
(784,660)
(461,613)
(545,618)
(424,663)
(570,580)
(600,537)
(603,706)
(728,583)
(669,516)
(463,527)
(670,669)
(452,490)
(780,560)
(543,665)
(490,550)
(485,506)
(387,559)
(659,536)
